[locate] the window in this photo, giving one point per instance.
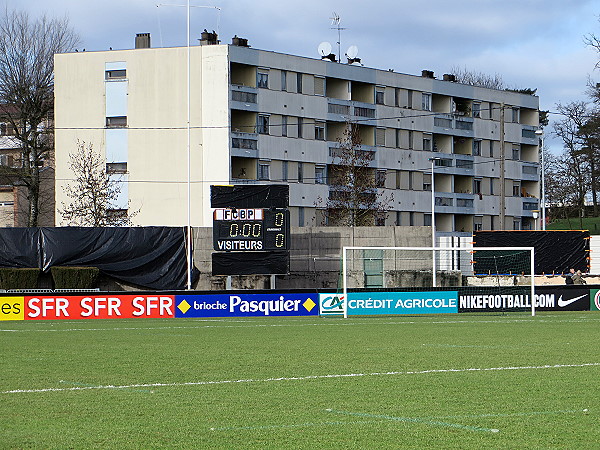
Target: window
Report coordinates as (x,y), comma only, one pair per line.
(409,100)
(116,167)
(284,124)
(516,152)
(427,220)
(397,97)
(516,224)
(477,223)
(380,178)
(491,186)
(477,148)
(301,216)
(262,126)
(263,170)
(320,175)
(299,83)
(398,218)
(116,122)
(411,140)
(427,182)
(477,186)
(284,170)
(516,190)
(491,149)
(262,80)
(284,80)
(398,145)
(427,142)
(380,137)
(115,74)
(515,115)
(477,110)
(320,131)
(319,85)
(411,219)
(300,126)
(379,96)
(410,180)
(300,172)
(426,102)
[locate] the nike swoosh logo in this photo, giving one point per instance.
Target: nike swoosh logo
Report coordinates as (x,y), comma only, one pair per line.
(562,303)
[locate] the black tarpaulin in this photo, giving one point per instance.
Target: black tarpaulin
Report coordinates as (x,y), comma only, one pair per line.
(556,251)
(251,263)
(250,196)
(151,257)
(19,247)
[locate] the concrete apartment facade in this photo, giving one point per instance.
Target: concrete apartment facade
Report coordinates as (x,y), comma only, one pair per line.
(263,117)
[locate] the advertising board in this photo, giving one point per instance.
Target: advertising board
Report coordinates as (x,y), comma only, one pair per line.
(376,303)
(546,299)
(238,305)
(110,306)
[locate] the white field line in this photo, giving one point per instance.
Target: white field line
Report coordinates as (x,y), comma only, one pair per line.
(304,378)
(268,325)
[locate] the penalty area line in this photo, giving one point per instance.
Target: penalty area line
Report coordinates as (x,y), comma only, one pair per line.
(299,378)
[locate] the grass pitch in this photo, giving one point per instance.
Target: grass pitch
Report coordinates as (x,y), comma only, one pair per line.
(455,381)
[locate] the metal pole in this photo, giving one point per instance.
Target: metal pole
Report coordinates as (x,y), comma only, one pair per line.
(543,187)
(433,223)
(189,199)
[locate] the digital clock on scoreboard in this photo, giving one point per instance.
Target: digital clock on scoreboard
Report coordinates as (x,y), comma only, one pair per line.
(251,229)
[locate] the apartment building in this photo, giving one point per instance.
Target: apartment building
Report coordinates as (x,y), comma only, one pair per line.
(258,116)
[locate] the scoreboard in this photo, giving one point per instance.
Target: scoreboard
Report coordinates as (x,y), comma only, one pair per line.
(251,229)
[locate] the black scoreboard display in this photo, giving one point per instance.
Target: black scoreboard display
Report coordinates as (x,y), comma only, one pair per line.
(251,229)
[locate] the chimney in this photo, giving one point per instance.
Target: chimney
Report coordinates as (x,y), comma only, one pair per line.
(207,38)
(427,74)
(142,40)
(239,42)
(450,77)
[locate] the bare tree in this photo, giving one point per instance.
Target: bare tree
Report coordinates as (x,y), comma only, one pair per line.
(93,193)
(27,49)
(354,199)
(579,166)
(472,78)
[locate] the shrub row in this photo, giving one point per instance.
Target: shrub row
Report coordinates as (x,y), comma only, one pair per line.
(64,277)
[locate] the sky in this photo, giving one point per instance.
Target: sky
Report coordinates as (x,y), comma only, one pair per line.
(529,43)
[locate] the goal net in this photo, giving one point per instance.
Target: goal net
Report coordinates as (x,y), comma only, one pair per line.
(481,278)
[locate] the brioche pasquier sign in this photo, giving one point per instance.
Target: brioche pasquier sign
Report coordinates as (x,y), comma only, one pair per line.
(98,307)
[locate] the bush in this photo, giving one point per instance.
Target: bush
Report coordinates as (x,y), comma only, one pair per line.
(75,277)
(13,278)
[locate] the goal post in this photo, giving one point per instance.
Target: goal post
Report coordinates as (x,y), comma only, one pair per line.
(489,269)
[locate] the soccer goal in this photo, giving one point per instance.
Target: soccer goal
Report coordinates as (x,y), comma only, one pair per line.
(485,278)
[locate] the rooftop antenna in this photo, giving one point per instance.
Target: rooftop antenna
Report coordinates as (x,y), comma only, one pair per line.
(184,6)
(335,21)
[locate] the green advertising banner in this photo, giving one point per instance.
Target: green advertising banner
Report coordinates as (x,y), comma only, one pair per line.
(594,299)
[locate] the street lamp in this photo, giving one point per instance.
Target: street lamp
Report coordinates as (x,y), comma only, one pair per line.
(539,132)
(535,218)
(433,160)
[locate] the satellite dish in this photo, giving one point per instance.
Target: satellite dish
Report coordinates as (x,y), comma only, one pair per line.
(352,51)
(324,49)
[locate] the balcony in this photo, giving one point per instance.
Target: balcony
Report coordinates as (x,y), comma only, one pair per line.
(364,152)
(244,145)
(244,98)
(462,125)
(454,203)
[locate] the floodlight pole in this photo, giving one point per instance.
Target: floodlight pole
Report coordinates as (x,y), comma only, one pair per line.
(433,160)
(540,133)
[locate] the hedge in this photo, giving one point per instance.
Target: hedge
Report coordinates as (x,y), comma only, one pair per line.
(75,277)
(12,278)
